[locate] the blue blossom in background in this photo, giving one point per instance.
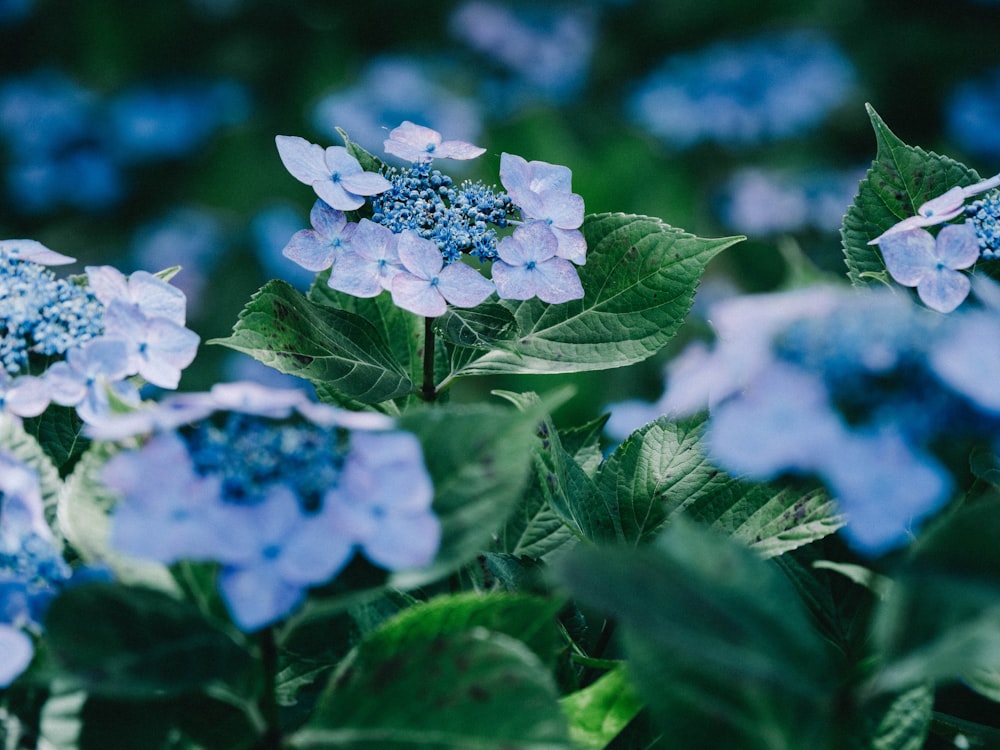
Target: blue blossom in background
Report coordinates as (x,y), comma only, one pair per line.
(14,11)
(742,93)
(856,388)
(760,202)
(159,121)
(392,89)
(270,229)
(278,490)
(31,569)
(537,53)
(971,113)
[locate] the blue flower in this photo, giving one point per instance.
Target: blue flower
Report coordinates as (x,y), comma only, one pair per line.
(158,348)
(528,266)
(939,210)
(425,284)
(23,396)
(915,258)
(84,378)
(368,266)
(335,175)
(543,191)
(972,109)
(317,249)
(738,93)
(418,144)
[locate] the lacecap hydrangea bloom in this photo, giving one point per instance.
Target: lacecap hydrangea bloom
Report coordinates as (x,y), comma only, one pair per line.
(422,226)
(860,388)
(32,570)
(280,491)
(72,341)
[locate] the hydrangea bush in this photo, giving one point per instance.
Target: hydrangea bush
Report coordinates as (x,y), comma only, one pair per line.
(794,547)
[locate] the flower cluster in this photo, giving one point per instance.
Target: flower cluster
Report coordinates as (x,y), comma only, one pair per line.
(68,147)
(69,343)
(31,569)
(422,225)
(277,489)
(762,89)
(916,258)
(862,389)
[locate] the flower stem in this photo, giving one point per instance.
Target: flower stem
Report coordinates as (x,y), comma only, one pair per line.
(428,392)
(268,704)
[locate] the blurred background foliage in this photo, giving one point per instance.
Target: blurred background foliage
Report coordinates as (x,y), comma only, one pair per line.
(141,134)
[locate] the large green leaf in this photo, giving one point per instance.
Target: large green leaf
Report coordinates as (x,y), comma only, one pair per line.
(132,643)
(338,351)
(900,179)
(600,711)
(471,690)
(640,279)
(896,722)
(941,617)
(715,638)
(60,433)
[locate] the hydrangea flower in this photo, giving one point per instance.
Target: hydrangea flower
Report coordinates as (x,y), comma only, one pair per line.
(31,568)
(528,266)
(336,176)
(368,266)
(277,490)
(426,285)
(543,191)
(916,258)
(416,144)
(23,396)
(859,389)
(88,372)
(316,249)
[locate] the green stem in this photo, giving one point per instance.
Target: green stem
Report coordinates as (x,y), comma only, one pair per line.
(428,392)
(268,703)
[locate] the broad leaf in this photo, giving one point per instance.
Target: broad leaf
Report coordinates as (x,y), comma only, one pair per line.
(479,328)
(474,689)
(128,642)
(896,722)
(599,712)
(899,181)
(341,353)
(640,279)
(716,641)
(60,433)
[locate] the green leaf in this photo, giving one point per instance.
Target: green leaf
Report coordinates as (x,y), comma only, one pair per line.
(132,643)
(480,327)
(899,181)
(640,280)
(941,617)
(599,712)
(471,690)
(715,639)
(59,430)
(339,352)
(896,722)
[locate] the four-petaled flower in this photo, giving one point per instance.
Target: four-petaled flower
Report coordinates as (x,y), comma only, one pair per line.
(418,145)
(915,258)
(336,176)
(369,263)
(542,191)
(316,249)
(425,284)
(528,265)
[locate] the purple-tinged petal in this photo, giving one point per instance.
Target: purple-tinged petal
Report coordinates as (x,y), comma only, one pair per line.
(310,250)
(533,241)
(460,150)
(328,222)
(365,183)
(336,195)
(412,142)
(33,251)
(248,397)
(257,597)
(157,298)
(943,289)
(464,286)
(514,282)
(948,204)
(24,396)
(547,177)
(563,210)
(557,281)
(419,256)
(957,245)
(914,222)
(356,275)
(966,363)
(515,175)
(304,160)
(107,283)
(572,245)
(16,652)
(405,541)
(340,163)
(908,255)
(419,296)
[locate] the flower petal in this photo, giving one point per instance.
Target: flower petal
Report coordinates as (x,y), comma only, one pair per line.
(419,256)
(365,183)
(417,295)
(464,286)
(558,281)
(304,160)
(957,245)
(943,289)
(309,250)
(909,255)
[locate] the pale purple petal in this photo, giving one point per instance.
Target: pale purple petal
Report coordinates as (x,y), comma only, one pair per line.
(365,183)
(167,349)
(547,177)
(419,256)
(419,296)
(328,222)
(16,652)
(412,142)
(340,163)
(913,222)
(571,245)
(463,286)
(943,289)
(557,281)
(252,398)
(908,255)
(533,241)
(458,150)
(356,275)
(963,361)
(514,282)
(563,210)
(336,195)
(257,597)
(157,298)
(24,396)
(405,541)
(957,245)
(107,283)
(515,175)
(312,554)
(304,160)
(947,204)
(33,251)
(309,250)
